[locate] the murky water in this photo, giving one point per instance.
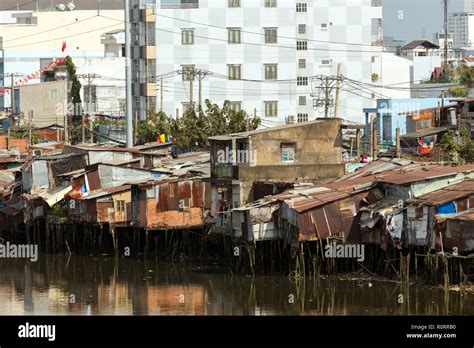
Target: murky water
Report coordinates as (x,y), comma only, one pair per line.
(102,286)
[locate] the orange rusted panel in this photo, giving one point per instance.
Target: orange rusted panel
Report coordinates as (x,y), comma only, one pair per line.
(191,217)
(197,194)
(105,211)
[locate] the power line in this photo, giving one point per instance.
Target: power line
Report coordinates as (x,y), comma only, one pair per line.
(261,44)
(277,36)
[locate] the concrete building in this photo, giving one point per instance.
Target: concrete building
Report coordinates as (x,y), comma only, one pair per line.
(309,152)
(42,104)
(468,5)
(420,48)
(439,39)
(461,24)
(258,56)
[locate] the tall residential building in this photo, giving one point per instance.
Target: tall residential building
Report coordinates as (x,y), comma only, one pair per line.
(461,25)
(144,53)
(262,56)
(440,39)
(468,5)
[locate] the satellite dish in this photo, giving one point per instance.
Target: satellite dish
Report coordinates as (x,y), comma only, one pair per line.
(61,7)
(71,6)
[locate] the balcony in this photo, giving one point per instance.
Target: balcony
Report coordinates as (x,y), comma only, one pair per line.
(148,15)
(148,52)
(148,89)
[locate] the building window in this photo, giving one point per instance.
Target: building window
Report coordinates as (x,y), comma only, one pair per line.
(271,35)
(387,127)
(234,35)
(187,36)
(120,206)
(179,4)
(53,94)
(271,71)
(302,118)
(235,106)
(324,26)
(234,3)
(302,29)
(301,7)
(270,3)
(302,45)
(302,101)
(271,108)
(302,81)
(235,72)
(288,153)
(302,63)
(187,72)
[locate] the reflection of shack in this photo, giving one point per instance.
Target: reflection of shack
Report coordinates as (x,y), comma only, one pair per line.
(177,300)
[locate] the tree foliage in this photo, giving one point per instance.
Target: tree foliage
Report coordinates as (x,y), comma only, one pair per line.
(460,148)
(76,84)
(194,128)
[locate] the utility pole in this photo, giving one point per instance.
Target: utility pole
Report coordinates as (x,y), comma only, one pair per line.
(445,33)
(162,87)
(201,74)
(191,87)
(30,125)
(323,98)
(338,90)
(89,79)
(128,77)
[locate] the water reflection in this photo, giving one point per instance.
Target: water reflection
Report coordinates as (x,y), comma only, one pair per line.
(104,286)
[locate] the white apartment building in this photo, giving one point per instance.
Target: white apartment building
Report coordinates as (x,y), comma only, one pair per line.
(461,24)
(260,55)
(468,5)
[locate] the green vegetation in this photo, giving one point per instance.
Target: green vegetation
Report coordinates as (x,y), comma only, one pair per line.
(461,148)
(458,91)
(194,128)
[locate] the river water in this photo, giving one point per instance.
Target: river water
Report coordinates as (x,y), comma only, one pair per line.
(86,285)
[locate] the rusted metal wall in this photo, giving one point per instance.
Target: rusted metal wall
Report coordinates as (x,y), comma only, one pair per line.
(459,234)
(105,211)
(336,219)
(175,205)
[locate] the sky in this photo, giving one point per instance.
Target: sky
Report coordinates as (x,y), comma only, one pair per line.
(413,19)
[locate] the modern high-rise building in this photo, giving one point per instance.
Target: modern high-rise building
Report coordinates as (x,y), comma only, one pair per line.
(468,5)
(264,56)
(461,25)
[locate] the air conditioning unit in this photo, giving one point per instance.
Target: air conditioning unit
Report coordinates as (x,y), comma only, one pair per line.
(37,153)
(290,119)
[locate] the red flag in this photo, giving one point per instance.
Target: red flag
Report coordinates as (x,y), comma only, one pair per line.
(64,46)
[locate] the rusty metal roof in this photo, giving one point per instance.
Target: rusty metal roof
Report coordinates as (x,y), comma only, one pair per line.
(421,173)
(467,215)
(447,194)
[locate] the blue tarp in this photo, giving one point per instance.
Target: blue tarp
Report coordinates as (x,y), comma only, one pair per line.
(447,208)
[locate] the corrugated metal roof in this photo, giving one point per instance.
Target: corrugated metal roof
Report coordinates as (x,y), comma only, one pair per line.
(410,175)
(55,196)
(467,215)
(447,194)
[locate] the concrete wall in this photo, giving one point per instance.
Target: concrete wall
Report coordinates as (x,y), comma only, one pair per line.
(47,102)
(317,173)
(318,142)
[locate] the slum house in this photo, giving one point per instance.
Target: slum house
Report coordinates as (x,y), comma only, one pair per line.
(43,173)
(465,110)
(311,212)
(171,204)
(147,156)
(391,218)
(308,152)
(426,127)
(392,114)
(460,232)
